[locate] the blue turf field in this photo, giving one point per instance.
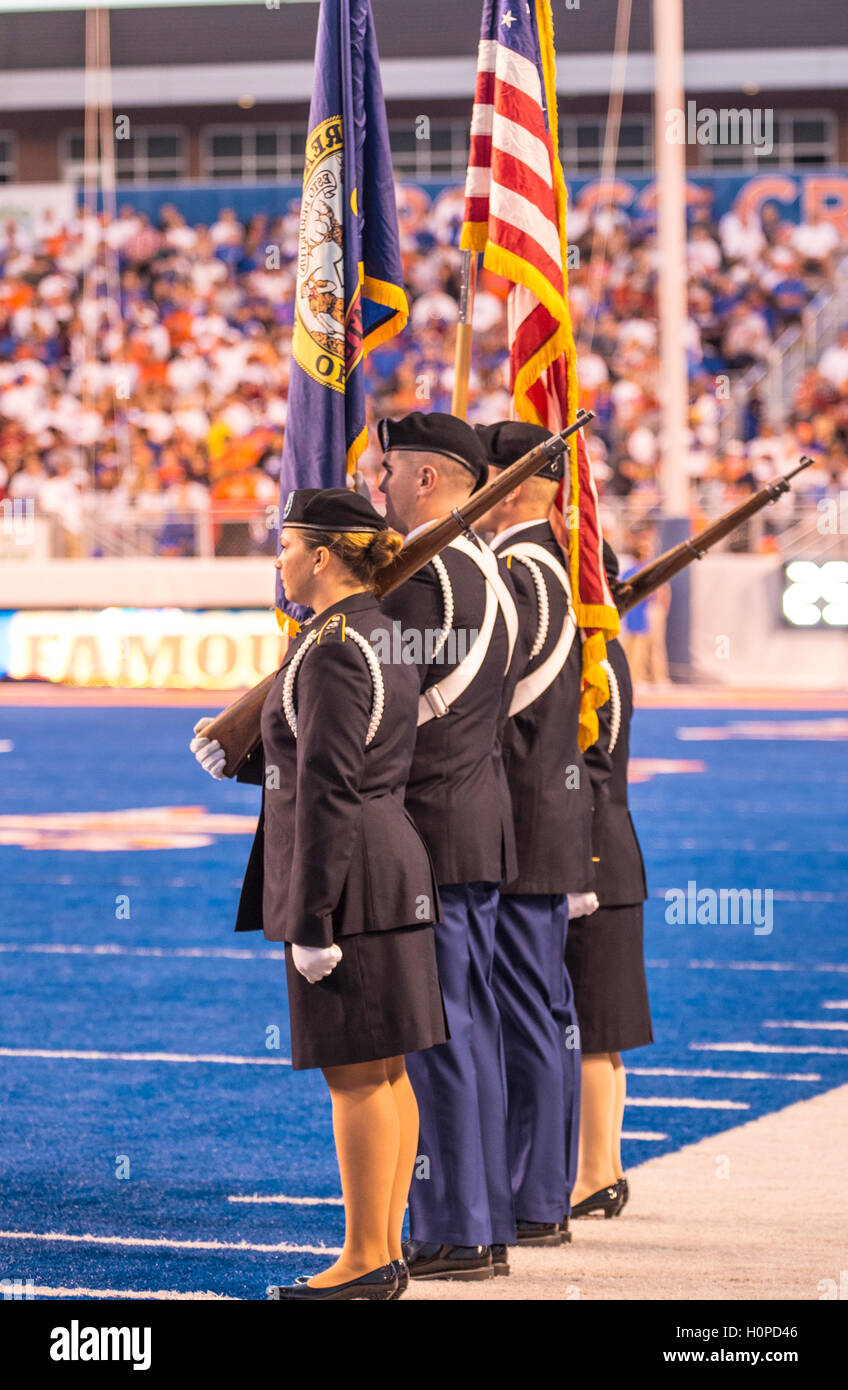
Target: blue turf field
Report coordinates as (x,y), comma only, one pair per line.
(767,812)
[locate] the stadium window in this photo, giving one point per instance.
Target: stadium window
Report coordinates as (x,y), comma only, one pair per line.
(582,144)
(8,157)
(798,138)
(244,154)
(444,151)
(152,154)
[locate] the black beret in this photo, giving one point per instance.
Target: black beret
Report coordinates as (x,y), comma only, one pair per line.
(330,509)
(437,433)
(509,440)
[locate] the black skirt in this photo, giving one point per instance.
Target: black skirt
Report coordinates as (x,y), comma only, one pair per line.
(382,1000)
(605,958)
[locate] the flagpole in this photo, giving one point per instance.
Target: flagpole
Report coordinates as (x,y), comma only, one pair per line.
(671,245)
(462,357)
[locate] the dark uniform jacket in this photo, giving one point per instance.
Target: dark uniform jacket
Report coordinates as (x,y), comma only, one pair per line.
(457,792)
(335,851)
(548,781)
(619,870)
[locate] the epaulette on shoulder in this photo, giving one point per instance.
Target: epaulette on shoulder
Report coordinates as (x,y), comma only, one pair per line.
(333,628)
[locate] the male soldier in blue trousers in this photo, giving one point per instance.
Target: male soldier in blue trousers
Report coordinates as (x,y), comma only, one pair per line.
(461,605)
(552,804)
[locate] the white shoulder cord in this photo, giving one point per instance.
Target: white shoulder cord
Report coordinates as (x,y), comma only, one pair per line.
(372,659)
(447,603)
(615,704)
(544,603)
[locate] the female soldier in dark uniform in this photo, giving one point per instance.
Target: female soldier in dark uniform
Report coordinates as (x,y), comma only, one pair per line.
(604,952)
(339,872)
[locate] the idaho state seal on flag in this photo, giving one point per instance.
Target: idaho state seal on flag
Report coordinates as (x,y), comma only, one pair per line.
(319,332)
(349,295)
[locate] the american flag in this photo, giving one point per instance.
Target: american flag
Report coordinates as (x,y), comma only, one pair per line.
(515,212)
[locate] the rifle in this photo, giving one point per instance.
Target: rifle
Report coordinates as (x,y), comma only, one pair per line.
(237,727)
(652,576)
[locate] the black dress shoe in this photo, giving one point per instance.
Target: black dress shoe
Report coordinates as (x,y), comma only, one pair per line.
(566,1232)
(539,1233)
(500,1261)
(402,1272)
(379,1284)
(606,1200)
(624,1189)
(429,1261)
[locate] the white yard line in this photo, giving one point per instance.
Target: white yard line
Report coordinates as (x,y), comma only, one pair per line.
(773,1048)
(291,1201)
(108,948)
(190,1296)
(685,1103)
(218,1059)
(725,1075)
(162,1242)
(780,966)
(832,1026)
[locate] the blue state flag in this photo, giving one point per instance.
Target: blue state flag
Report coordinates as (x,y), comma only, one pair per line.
(349,295)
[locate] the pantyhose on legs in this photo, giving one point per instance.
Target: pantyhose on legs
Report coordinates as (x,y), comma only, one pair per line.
(601,1117)
(375,1123)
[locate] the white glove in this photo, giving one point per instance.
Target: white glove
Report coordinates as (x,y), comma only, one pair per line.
(208,751)
(582,904)
(316,962)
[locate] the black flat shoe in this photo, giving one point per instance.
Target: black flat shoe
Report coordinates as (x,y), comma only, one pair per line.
(430,1261)
(607,1200)
(402,1273)
(379,1284)
(500,1261)
(624,1190)
(539,1233)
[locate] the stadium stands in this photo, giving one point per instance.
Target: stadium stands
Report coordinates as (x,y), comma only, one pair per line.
(143,368)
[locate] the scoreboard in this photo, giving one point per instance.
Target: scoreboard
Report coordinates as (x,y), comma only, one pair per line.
(815,594)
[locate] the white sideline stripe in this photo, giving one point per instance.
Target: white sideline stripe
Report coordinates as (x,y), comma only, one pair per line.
(770,1047)
(780,965)
(160,1242)
(43,1291)
(685,1103)
(831,1026)
(218,1059)
(647,1134)
(110,949)
(293,1201)
(835,1004)
(725,1075)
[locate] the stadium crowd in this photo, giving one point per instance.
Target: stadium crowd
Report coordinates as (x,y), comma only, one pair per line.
(144,368)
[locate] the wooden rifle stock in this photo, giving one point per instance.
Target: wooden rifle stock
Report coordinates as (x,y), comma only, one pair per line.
(237,727)
(652,577)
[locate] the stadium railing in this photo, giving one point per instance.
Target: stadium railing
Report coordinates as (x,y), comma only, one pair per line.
(796,349)
(26,535)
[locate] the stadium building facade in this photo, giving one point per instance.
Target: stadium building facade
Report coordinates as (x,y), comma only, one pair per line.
(221,92)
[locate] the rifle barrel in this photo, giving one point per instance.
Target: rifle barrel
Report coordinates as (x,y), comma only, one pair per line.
(652,576)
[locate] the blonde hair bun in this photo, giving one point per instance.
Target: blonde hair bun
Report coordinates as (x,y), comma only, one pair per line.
(365,553)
